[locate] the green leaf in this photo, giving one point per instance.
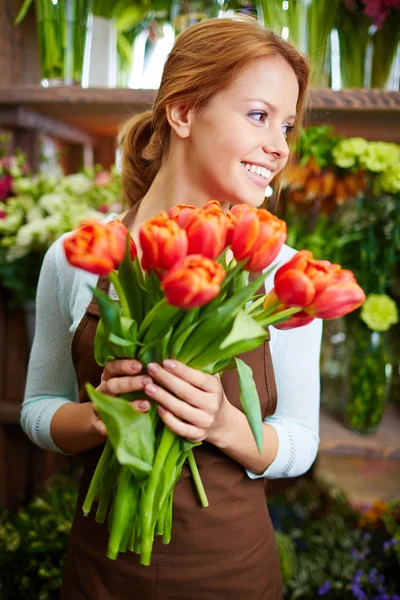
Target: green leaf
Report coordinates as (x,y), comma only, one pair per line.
(250,401)
(23,11)
(134,293)
(130,432)
(244,328)
(119,341)
(164,318)
(110,310)
(220,319)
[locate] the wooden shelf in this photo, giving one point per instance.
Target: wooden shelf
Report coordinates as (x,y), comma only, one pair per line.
(373,114)
(336,439)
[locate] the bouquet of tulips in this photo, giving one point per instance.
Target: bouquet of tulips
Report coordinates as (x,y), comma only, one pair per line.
(187,298)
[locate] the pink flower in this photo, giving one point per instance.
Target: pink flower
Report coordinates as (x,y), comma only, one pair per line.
(3,215)
(103,179)
(5,186)
(378,10)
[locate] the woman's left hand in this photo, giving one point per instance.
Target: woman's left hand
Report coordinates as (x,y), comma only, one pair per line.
(191,403)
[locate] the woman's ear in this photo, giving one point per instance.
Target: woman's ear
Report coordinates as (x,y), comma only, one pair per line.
(180,118)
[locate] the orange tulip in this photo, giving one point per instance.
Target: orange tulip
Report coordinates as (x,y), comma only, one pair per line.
(206,230)
(98,248)
(340,297)
(298,281)
(230,224)
(297,320)
(180,213)
(163,243)
(258,235)
(194,281)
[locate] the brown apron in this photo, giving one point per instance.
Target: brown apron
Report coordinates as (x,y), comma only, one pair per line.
(226,551)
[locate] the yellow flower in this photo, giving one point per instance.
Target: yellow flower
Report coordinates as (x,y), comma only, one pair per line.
(379,312)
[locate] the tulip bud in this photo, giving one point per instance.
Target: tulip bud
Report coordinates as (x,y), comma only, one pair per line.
(98,248)
(163,243)
(194,281)
(298,281)
(181,213)
(342,296)
(258,236)
(206,230)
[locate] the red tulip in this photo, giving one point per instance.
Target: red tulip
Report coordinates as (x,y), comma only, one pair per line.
(300,319)
(298,281)
(163,243)
(98,248)
(180,213)
(258,235)
(342,296)
(194,281)
(206,230)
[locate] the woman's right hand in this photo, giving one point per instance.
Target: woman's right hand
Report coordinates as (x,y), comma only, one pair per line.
(120,377)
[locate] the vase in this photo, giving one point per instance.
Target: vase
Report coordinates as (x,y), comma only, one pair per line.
(308,25)
(103,54)
(63,29)
(334,358)
(368,376)
(385,44)
(353,33)
(185,13)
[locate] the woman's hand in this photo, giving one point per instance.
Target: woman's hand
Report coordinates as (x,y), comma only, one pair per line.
(121,377)
(193,404)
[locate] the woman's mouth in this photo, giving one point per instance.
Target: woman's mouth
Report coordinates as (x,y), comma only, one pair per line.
(258,175)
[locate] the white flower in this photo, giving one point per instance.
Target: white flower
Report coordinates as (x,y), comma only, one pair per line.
(32,233)
(77,184)
(32,214)
(16,252)
(53,203)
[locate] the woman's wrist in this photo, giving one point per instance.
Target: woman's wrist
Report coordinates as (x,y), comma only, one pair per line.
(72,428)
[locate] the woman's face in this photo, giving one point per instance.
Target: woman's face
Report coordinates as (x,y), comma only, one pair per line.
(238,141)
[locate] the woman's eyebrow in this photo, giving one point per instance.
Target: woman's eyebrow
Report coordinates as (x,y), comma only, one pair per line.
(270,106)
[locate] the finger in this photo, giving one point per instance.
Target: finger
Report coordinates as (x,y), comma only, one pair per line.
(100,427)
(123,385)
(141,405)
(181,409)
(179,387)
(203,381)
(185,430)
(124,366)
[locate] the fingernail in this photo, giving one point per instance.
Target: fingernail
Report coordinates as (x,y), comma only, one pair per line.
(135,365)
(161,409)
(146,380)
(150,389)
(169,364)
(144,404)
(153,367)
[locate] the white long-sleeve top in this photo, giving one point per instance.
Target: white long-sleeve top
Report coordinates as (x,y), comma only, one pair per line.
(62,298)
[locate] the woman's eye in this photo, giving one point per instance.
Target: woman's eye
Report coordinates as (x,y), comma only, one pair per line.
(287,130)
(259,115)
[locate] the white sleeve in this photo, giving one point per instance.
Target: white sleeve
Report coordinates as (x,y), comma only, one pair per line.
(51,380)
(295,356)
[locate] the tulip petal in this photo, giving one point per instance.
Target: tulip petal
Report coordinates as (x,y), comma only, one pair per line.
(294,288)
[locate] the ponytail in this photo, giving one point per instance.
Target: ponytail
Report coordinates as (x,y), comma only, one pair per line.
(140,158)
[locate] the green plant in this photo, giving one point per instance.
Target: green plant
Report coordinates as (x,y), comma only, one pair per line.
(33,541)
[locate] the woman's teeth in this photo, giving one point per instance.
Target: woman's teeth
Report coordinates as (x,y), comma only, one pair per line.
(257,170)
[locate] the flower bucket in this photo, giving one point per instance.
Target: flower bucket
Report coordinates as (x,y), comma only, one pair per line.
(63,29)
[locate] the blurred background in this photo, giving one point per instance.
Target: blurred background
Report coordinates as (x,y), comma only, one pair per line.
(72,71)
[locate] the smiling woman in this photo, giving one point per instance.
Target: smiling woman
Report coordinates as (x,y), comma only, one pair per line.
(231,94)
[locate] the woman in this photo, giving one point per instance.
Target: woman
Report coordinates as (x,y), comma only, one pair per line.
(230,96)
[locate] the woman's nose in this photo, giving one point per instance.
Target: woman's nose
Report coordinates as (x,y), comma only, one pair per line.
(275,143)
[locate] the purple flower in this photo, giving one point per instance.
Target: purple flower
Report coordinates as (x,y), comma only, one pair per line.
(386,545)
(354,554)
(372,575)
(324,589)
(395,597)
(394,542)
(382,597)
(366,537)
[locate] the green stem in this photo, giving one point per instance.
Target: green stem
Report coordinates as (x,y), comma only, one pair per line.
(124,513)
(148,498)
(102,465)
(278,317)
(121,294)
(197,479)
